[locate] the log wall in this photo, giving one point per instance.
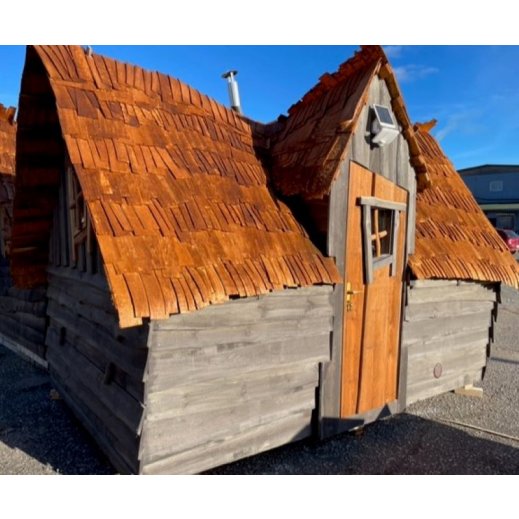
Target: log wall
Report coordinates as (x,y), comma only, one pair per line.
(447,325)
(233,380)
(97,367)
(22,317)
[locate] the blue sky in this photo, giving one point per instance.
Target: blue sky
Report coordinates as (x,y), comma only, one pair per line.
(471,90)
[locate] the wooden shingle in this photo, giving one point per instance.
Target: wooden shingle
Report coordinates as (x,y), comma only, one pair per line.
(454,238)
(176,189)
(308,145)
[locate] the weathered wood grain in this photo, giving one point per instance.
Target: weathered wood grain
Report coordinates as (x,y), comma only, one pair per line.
(129,378)
(212,378)
(330,380)
(435,283)
(182,365)
(124,441)
(437,310)
(250,312)
(431,329)
(473,292)
(243,444)
(246,333)
(69,362)
(454,359)
(447,323)
(426,390)
(210,395)
(186,431)
(124,461)
(9,304)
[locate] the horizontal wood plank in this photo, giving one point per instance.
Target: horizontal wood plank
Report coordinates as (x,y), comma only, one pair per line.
(69,362)
(428,330)
(193,364)
(179,433)
(427,390)
(206,396)
(438,310)
(244,443)
(258,332)
(474,292)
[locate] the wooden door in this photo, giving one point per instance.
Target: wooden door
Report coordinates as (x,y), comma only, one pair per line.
(374,269)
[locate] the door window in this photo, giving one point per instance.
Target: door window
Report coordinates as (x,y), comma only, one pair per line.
(380,220)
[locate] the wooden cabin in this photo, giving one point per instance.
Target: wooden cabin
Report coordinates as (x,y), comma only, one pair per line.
(356,199)
(22,311)
(188,311)
(193,260)
(356,196)
(454,280)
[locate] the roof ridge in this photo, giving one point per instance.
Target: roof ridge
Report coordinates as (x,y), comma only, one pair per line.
(154,83)
(364,57)
(172,189)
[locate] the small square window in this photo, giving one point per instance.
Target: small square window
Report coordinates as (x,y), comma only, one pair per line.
(380,231)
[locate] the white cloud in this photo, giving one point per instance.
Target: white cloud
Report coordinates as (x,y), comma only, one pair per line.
(393,51)
(466,121)
(409,73)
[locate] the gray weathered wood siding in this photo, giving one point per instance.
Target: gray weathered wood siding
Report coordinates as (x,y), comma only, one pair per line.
(392,162)
(22,317)
(447,324)
(233,380)
(97,367)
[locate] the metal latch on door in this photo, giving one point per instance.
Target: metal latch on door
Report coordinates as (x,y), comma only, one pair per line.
(349,293)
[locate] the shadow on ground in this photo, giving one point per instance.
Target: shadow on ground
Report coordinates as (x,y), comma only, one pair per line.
(403,444)
(39,435)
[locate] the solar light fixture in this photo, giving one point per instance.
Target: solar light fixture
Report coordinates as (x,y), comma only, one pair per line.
(383,127)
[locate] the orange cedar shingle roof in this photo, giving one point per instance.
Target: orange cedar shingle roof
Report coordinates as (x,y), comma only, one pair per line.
(7,169)
(177,193)
(7,140)
(309,146)
(454,239)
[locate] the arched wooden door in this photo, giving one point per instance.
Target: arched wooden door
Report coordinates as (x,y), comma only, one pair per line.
(374,271)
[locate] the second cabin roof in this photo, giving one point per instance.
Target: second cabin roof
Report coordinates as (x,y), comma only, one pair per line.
(309,145)
(174,183)
(454,238)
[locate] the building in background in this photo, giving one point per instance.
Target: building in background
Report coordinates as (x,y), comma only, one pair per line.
(496,190)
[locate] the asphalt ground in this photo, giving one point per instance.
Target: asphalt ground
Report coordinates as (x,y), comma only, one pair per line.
(448,434)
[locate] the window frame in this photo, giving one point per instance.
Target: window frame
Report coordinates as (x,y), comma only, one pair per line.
(80,228)
(372,264)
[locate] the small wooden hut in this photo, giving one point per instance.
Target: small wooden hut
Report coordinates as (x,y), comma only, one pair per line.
(188,311)
(356,199)
(22,312)
(193,260)
(454,280)
(356,195)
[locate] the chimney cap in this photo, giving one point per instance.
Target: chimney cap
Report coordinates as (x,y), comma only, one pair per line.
(230,74)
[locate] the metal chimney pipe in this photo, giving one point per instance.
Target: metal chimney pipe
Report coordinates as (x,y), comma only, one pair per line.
(232,86)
